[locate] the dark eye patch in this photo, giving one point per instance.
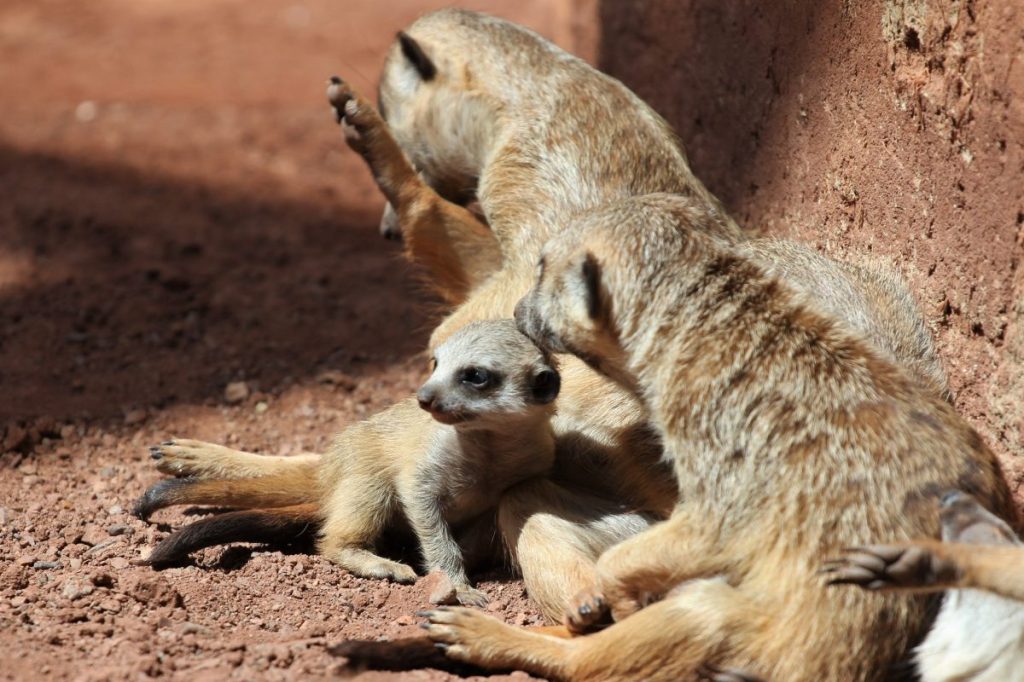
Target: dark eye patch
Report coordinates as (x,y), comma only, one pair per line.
(479,378)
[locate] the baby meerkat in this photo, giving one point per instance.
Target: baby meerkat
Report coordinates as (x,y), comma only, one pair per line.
(484,426)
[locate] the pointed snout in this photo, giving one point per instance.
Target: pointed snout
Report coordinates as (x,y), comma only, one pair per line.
(427,398)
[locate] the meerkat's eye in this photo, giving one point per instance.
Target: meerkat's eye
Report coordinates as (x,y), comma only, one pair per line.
(476,377)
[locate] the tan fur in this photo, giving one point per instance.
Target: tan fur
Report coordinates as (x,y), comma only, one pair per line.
(440,468)
(538,136)
(790,437)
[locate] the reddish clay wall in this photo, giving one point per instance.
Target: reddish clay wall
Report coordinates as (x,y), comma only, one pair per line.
(886,127)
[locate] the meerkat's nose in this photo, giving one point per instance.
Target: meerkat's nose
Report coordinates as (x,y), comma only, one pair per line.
(426,399)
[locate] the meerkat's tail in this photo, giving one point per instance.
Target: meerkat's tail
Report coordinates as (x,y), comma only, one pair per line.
(296,485)
(279,526)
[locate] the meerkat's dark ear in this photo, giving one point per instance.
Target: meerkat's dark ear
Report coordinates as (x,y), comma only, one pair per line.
(591,275)
(545,386)
(413,51)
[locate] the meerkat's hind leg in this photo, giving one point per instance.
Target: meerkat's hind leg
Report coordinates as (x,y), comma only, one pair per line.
(555,535)
(473,637)
(198,459)
(668,641)
(292,487)
(364,563)
(356,515)
(409,653)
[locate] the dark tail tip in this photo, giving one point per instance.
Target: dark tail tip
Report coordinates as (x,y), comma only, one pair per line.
(335,80)
(264,526)
(158,496)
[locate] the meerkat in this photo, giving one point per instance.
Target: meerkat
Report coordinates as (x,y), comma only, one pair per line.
(979,632)
(479,424)
(476,108)
(790,437)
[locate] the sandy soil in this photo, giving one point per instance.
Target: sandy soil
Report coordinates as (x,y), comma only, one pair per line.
(177,213)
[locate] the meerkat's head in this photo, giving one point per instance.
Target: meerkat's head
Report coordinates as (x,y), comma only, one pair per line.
(431,97)
(602,281)
(489,374)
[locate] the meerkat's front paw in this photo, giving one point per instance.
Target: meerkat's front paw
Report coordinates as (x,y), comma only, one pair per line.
(587,611)
(470,596)
(881,567)
(449,592)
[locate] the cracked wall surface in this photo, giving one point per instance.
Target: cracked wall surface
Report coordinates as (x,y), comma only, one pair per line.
(893,129)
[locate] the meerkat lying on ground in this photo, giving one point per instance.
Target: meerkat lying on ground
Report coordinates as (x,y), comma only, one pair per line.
(484,107)
(483,426)
(476,107)
(790,436)
(979,632)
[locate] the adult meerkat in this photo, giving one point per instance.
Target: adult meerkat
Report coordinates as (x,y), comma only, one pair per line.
(479,424)
(979,632)
(476,107)
(479,106)
(790,436)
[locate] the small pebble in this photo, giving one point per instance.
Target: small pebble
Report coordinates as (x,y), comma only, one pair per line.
(236,392)
(132,417)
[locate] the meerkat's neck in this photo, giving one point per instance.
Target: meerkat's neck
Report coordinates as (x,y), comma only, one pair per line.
(524,435)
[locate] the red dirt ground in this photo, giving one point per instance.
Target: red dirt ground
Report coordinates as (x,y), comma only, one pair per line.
(178,212)
(890,128)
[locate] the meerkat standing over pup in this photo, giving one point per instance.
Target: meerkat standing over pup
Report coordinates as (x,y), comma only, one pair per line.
(476,107)
(979,632)
(481,105)
(483,426)
(790,436)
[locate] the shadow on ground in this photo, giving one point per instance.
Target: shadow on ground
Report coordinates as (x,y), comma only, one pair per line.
(128,290)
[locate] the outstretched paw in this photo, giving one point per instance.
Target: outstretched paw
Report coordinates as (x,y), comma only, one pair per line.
(462,634)
(883,567)
(355,115)
(338,94)
(587,611)
(185,457)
